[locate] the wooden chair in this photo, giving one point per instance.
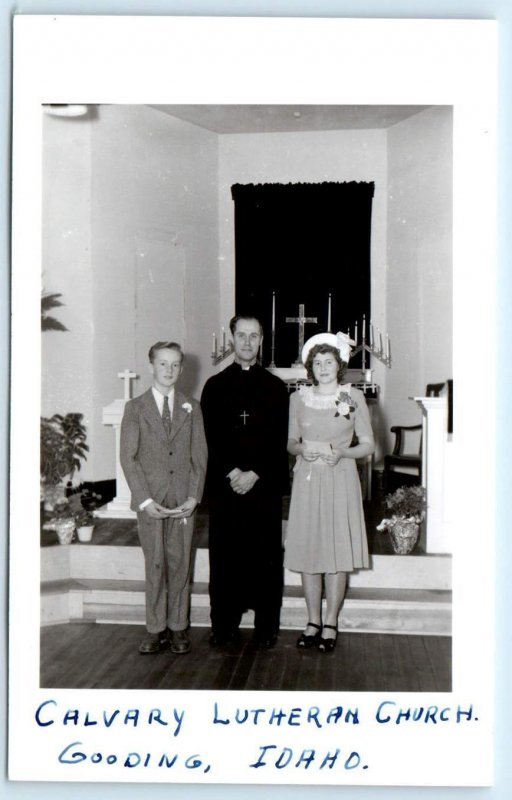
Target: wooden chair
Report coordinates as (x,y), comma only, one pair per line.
(434,389)
(398,459)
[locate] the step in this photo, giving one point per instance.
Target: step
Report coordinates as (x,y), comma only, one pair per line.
(117,562)
(383,610)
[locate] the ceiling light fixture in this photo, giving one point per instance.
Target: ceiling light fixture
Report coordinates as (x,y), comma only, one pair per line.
(65,110)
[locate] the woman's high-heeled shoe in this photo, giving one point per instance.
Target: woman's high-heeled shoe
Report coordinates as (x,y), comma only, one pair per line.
(328,645)
(304,642)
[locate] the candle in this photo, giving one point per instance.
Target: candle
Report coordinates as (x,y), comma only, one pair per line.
(214,346)
(329,314)
(355,334)
(371,335)
(363,329)
(381,349)
(388,349)
(223,339)
(273,311)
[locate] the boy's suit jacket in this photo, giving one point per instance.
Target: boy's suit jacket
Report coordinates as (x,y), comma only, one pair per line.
(165,469)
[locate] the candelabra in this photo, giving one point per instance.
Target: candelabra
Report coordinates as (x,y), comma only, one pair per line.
(371,341)
(222,350)
(373,345)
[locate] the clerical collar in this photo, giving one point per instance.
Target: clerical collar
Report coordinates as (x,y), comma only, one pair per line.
(245,368)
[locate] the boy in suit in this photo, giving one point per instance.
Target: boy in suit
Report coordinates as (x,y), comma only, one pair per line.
(163,455)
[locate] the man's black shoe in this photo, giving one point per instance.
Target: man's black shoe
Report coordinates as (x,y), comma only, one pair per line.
(265,641)
(220,639)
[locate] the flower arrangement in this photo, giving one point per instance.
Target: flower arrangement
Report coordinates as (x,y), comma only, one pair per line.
(61,512)
(78,507)
(408,503)
(187,407)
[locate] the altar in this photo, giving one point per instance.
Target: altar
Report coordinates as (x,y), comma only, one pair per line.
(366,340)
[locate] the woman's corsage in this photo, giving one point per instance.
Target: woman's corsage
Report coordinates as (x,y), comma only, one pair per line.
(344,405)
(187,407)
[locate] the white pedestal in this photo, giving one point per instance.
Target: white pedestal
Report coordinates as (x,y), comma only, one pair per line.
(436,472)
(120,506)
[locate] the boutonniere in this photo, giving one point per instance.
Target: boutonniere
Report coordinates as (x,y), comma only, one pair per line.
(187,407)
(344,405)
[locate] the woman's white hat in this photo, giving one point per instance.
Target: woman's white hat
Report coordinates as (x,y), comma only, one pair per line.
(341,341)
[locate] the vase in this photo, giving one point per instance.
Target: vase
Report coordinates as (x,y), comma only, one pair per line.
(404,535)
(84,533)
(65,530)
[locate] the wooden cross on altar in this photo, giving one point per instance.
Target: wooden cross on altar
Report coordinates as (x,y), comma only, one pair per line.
(127,376)
(244,416)
(301,320)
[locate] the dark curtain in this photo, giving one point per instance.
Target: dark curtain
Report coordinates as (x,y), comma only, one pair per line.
(302,241)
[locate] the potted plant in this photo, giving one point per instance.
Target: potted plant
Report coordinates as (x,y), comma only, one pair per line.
(61,520)
(407,506)
(63,446)
(83,503)
(73,513)
(84,521)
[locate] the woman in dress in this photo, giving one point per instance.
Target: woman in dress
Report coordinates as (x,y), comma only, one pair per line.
(329,429)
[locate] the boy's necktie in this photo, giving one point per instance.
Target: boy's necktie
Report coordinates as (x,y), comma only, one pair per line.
(166,416)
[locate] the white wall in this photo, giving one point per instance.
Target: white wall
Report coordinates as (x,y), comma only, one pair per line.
(419,259)
(67,366)
(150,182)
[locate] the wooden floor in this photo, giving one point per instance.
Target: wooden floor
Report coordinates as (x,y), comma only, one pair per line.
(94,656)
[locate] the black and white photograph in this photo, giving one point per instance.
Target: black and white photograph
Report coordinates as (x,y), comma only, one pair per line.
(253,559)
(320,227)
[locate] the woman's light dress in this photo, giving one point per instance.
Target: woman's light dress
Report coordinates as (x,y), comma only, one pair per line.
(326,530)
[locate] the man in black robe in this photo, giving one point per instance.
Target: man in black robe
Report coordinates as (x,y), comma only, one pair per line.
(245,411)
